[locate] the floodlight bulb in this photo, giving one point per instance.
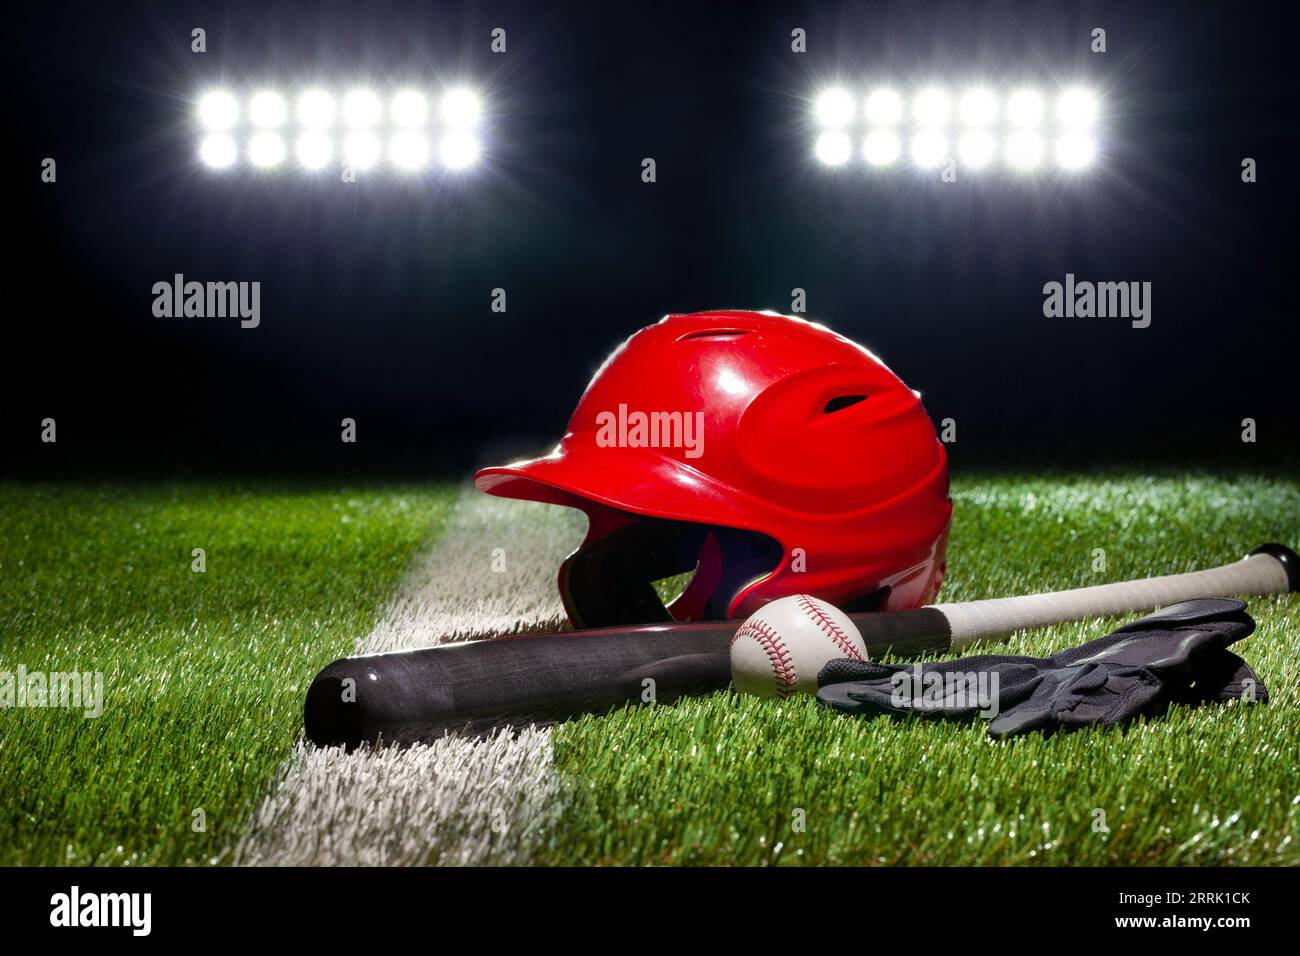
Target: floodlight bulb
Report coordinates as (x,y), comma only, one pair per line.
(881,147)
(316,109)
(267,109)
(460,108)
(931,107)
(833,148)
(409,150)
(1024,151)
(218,110)
(884,108)
(1075,150)
(266,150)
(929,148)
(1076,108)
(361,150)
(1025,109)
(362,109)
(314,150)
(218,150)
(979,107)
(976,149)
(459,150)
(409,108)
(833,108)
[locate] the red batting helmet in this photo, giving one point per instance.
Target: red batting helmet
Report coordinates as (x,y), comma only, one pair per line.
(765,453)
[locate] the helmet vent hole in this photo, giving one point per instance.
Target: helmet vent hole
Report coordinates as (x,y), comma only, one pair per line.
(714,335)
(842,401)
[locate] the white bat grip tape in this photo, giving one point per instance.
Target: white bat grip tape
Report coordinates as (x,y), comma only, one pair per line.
(973,621)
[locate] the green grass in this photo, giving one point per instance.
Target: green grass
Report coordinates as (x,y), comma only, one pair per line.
(203,672)
(722,780)
(205,675)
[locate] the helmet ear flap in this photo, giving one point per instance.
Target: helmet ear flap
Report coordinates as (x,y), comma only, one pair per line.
(731,560)
(871,601)
(609,580)
(592,600)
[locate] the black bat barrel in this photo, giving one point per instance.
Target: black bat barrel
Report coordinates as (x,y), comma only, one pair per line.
(475,687)
(480,686)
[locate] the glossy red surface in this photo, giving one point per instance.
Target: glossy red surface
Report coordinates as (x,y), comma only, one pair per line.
(788,449)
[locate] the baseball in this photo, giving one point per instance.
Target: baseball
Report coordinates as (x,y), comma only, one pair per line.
(781,647)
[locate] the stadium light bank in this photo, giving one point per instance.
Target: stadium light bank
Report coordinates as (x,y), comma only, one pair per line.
(978,127)
(404,130)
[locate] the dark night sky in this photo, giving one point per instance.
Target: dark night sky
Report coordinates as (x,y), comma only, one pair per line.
(375,296)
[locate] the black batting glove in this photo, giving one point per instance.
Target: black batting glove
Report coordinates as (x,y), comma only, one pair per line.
(1176,655)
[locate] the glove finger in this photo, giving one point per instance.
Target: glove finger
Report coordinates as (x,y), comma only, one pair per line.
(844,669)
(1029,708)
(859,698)
(1107,694)
(1194,612)
(1224,677)
(1037,708)
(1023,719)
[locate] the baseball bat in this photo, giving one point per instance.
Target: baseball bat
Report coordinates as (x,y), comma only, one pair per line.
(473,687)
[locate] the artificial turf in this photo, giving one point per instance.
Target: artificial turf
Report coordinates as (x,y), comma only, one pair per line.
(205,673)
(734,780)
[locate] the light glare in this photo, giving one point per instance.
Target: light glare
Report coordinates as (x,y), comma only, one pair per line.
(409,150)
(834,108)
(314,150)
(218,110)
(931,107)
(979,125)
(409,108)
(460,108)
(833,148)
(361,150)
(1076,108)
(266,150)
(1075,150)
(362,109)
(976,150)
(316,109)
(979,107)
(929,148)
(1024,151)
(881,147)
(267,109)
(884,108)
(217,150)
(460,150)
(1025,109)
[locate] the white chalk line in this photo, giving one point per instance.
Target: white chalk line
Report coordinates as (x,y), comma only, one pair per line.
(457,801)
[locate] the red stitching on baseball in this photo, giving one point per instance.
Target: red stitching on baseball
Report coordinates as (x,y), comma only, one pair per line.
(777,654)
(822,620)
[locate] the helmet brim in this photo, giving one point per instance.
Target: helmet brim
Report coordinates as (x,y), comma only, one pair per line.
(640,481)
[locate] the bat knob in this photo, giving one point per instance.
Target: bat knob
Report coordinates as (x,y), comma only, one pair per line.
(1285,557)
(328,718)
